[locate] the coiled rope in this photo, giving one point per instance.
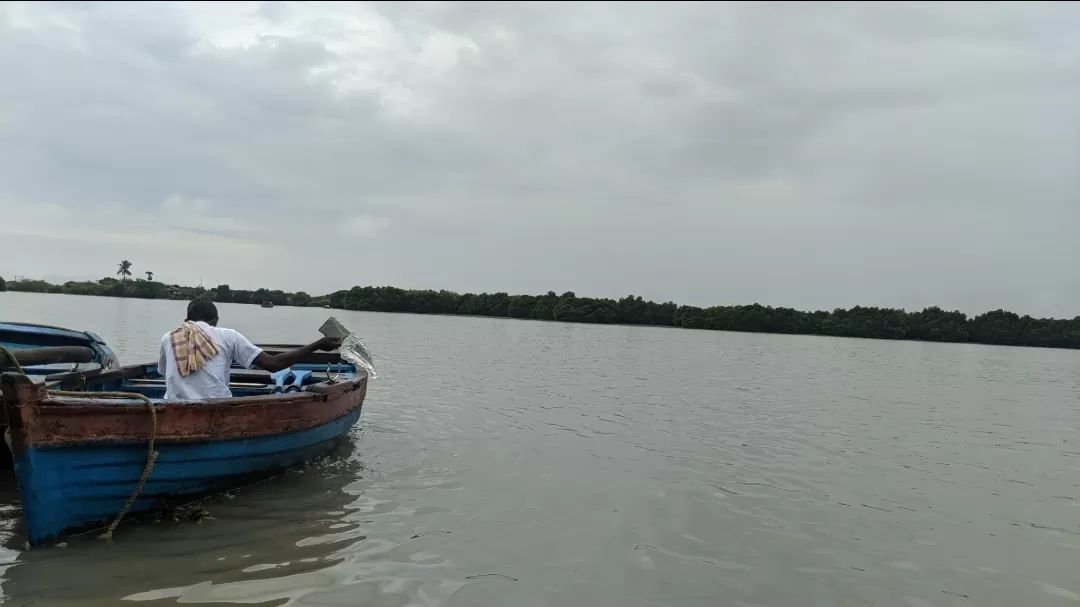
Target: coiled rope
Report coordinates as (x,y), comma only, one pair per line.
(151,455)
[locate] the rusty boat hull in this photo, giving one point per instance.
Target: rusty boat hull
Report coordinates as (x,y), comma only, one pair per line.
(78,458)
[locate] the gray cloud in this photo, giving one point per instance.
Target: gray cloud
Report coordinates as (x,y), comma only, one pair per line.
(806,155)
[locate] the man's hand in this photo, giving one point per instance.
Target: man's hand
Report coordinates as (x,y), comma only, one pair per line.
(284,360)
(328,343)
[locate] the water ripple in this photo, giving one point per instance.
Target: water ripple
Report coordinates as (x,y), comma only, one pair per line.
(535,464)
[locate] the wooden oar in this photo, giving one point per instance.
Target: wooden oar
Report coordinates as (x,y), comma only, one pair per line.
(30,357)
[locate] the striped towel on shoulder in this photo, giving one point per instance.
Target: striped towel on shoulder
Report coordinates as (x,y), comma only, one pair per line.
(192,348)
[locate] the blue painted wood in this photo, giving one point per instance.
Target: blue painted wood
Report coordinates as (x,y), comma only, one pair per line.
(19,336)
(32,335)
(17,345)
(79,486)
(342,367)
(286,380)
(34,332)
(157,393)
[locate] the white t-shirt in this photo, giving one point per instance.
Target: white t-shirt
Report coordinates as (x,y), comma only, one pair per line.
(212,380)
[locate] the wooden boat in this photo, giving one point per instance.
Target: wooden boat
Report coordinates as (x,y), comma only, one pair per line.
(43,350)
(267,303)
(80,454)
(71,350)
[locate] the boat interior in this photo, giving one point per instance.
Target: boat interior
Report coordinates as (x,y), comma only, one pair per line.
(59,368)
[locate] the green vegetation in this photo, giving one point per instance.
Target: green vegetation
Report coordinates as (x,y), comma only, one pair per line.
(932,324)
(123,270)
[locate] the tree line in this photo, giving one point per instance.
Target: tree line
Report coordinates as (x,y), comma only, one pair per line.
(998,327)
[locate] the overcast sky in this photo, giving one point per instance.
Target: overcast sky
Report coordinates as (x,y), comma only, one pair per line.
(798,155)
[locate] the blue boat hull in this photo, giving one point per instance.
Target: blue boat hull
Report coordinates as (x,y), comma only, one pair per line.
(73,487)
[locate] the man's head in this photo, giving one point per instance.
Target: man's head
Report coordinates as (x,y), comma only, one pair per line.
(202,310)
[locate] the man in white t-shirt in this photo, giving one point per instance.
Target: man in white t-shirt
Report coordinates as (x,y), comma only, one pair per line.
(207,352)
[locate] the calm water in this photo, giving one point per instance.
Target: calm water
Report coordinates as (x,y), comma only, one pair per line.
(512,463)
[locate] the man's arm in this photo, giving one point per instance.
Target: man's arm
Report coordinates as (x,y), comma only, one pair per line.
(284,360)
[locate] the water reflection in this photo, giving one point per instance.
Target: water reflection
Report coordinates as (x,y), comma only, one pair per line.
(252,532)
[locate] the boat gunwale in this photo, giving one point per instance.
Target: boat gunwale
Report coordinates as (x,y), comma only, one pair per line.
(42,420)
(34,325)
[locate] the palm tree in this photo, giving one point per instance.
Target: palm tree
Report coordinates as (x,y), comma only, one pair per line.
(124,270)
(149,276)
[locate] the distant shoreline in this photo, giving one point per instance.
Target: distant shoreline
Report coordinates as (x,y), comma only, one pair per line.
(933,324)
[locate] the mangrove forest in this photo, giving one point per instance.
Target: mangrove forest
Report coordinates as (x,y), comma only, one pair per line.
(998,327)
